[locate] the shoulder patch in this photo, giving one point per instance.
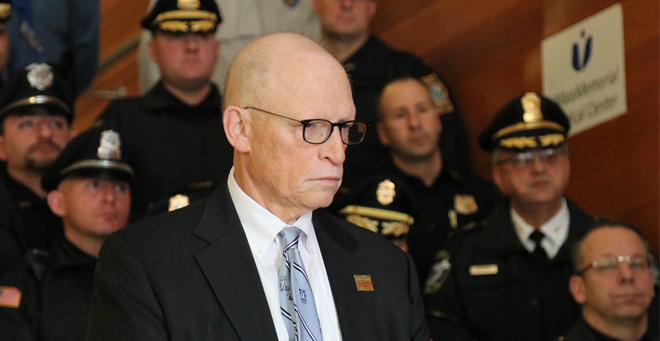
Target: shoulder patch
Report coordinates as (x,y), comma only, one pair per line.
(10,297)
(439,93)
(438,273)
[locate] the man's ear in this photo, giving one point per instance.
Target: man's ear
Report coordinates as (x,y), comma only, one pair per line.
(496,173)
(237,128)
(382,134)
(577,289)
(372,9)
(56,203)
(152,50)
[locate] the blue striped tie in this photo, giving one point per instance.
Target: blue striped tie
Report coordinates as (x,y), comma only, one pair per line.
(296,298)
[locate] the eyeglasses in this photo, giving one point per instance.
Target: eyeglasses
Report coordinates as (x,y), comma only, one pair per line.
(318,131)
(610,265)
(526,159)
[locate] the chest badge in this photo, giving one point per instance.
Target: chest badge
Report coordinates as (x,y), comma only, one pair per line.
(465,204)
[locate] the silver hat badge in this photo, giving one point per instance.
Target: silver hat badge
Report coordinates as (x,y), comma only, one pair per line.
(109,149)
(40,76)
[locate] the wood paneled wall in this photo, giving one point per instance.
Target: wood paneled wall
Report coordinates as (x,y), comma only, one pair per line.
(489,52)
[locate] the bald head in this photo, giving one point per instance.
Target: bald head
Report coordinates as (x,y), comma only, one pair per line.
(279,64)
(273,84)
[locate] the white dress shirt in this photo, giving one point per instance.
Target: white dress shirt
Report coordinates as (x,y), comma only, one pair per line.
(261,228)
(555,230)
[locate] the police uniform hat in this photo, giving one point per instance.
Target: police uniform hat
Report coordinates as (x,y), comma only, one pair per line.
(5,10)
(382,205)
(183,16)
(97,152)
(35,88)
(529,121)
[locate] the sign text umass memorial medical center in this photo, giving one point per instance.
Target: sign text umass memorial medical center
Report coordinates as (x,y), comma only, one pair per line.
(584,69)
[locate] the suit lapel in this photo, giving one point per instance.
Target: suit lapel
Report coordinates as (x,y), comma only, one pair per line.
(228,265)
(355,309)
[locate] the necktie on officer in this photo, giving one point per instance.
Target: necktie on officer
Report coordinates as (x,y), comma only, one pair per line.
(296,299)
(539,254)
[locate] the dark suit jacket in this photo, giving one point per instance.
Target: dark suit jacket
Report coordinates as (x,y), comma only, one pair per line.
(190,275)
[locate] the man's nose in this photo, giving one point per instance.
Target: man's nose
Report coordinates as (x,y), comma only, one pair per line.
(45,129)
(625,272)
(334,149)
(191,41)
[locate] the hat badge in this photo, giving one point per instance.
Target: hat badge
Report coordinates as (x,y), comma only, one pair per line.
(178,201)
(385,192)
(109,148)
(40,76)
(531,104)
(187,4)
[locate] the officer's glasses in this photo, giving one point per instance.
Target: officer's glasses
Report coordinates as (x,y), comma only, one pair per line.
(611,265)
(318,131)
(526,159)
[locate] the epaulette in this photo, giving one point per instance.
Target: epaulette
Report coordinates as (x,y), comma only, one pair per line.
(472,226)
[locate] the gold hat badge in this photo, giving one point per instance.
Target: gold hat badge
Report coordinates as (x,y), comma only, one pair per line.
(178,201)
(109,148)
(188,4)
(531,104)
(385,192)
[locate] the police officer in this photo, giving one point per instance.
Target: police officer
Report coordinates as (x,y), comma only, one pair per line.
(89,188)
(444,201)
(509,279)
(176,127)
(371,64)
(35,116)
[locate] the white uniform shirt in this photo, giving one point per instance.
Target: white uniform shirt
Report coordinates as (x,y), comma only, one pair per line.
(261,228)
(555,230)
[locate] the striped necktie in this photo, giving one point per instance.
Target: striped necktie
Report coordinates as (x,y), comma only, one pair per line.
(296,298)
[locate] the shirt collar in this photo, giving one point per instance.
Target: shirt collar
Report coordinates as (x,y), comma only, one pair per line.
(260,225)
(555,229)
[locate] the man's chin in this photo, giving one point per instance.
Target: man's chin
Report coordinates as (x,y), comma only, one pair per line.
(39,166)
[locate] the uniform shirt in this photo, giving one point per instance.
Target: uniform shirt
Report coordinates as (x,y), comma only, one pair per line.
(170,144)
(555,231)
(370,68)
(261,228)
(495,291)
(26,222)
(56,306)
(582,331)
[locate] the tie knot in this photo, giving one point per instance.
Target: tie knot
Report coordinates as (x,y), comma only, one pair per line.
(289,235)
(537,236)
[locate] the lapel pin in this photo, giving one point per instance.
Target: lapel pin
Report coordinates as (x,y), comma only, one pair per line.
(363,283)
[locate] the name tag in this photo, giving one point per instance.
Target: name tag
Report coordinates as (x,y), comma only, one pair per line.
(481,270)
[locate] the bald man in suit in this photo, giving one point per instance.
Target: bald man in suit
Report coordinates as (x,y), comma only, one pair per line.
(210,271)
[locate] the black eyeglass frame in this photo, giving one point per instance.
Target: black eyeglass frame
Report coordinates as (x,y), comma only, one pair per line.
(332,126)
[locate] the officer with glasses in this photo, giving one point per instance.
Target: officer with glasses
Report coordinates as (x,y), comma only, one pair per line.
(508,280)
(614,283)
